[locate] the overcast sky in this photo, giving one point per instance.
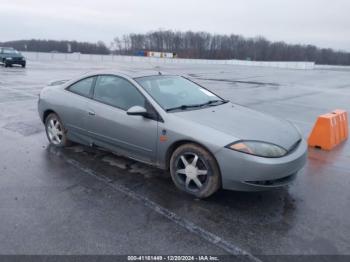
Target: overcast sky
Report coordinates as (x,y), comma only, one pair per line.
(325,23)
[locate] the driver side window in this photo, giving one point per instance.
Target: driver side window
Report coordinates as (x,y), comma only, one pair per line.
(117,92)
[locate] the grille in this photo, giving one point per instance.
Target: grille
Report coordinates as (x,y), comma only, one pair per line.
(17,59)
(274,182)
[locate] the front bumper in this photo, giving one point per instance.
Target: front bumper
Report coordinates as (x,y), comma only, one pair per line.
(245,172)
(22,63)
(18,61)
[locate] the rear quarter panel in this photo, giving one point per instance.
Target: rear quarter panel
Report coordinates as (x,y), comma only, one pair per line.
(71,108)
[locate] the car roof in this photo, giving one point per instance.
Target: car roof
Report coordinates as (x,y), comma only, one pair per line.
(129,73)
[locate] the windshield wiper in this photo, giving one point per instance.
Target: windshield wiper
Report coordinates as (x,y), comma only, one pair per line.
(184,107)
(212,102)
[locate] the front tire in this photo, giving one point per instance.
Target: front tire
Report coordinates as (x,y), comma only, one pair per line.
(195,171)
(55,131)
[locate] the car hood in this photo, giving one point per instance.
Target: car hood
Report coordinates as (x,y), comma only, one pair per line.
(245,124)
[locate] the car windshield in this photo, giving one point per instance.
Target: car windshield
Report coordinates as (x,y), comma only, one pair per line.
(10,51)
(177,93)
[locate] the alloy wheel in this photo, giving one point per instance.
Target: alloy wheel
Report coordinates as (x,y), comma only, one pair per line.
(191,171)
(55,131)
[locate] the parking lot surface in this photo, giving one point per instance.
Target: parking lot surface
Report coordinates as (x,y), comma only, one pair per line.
(81,200)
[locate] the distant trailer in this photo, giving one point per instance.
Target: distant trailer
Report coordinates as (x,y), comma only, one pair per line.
(161,54)
(141,53)
(168,55)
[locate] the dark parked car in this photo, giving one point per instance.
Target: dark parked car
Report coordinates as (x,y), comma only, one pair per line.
(10,56)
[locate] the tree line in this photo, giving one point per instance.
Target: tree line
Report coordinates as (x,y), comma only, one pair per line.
(218,46)
(190,44)
(35,45)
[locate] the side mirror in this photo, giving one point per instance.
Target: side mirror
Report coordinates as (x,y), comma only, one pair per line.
(137,111)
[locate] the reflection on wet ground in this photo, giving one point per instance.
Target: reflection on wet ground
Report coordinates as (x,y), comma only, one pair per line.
(87,200)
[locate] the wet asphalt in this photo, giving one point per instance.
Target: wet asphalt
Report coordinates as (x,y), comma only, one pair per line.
(82,200)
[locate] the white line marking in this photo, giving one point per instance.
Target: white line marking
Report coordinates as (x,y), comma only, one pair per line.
(201,232)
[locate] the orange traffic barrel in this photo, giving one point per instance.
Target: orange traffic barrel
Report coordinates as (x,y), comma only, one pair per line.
(329,130)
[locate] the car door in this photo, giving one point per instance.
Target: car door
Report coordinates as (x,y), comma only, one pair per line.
(74,109)
(111,127)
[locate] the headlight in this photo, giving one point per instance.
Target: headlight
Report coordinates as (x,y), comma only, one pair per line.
(258,148)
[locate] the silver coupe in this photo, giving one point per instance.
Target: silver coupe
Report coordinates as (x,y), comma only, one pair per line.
(168,121)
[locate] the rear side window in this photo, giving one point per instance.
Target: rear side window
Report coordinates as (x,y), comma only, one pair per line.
(117,92)
(83,87)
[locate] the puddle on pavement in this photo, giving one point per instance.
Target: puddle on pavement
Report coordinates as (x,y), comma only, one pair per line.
(24,128)
(117,161)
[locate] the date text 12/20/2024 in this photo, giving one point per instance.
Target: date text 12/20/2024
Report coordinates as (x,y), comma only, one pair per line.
(173,258)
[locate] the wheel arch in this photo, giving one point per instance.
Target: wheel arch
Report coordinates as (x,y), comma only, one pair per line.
(179,143)
(46,113)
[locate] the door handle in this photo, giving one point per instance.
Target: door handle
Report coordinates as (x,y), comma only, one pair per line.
(91,113)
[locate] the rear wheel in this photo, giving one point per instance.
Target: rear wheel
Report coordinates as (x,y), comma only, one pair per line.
(55,131)
(195,171)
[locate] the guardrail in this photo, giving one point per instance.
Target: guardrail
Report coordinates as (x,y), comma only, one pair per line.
(332,67)
(39,56)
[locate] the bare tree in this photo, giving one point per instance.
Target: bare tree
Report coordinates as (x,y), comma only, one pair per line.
(214,46)
(191,44)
